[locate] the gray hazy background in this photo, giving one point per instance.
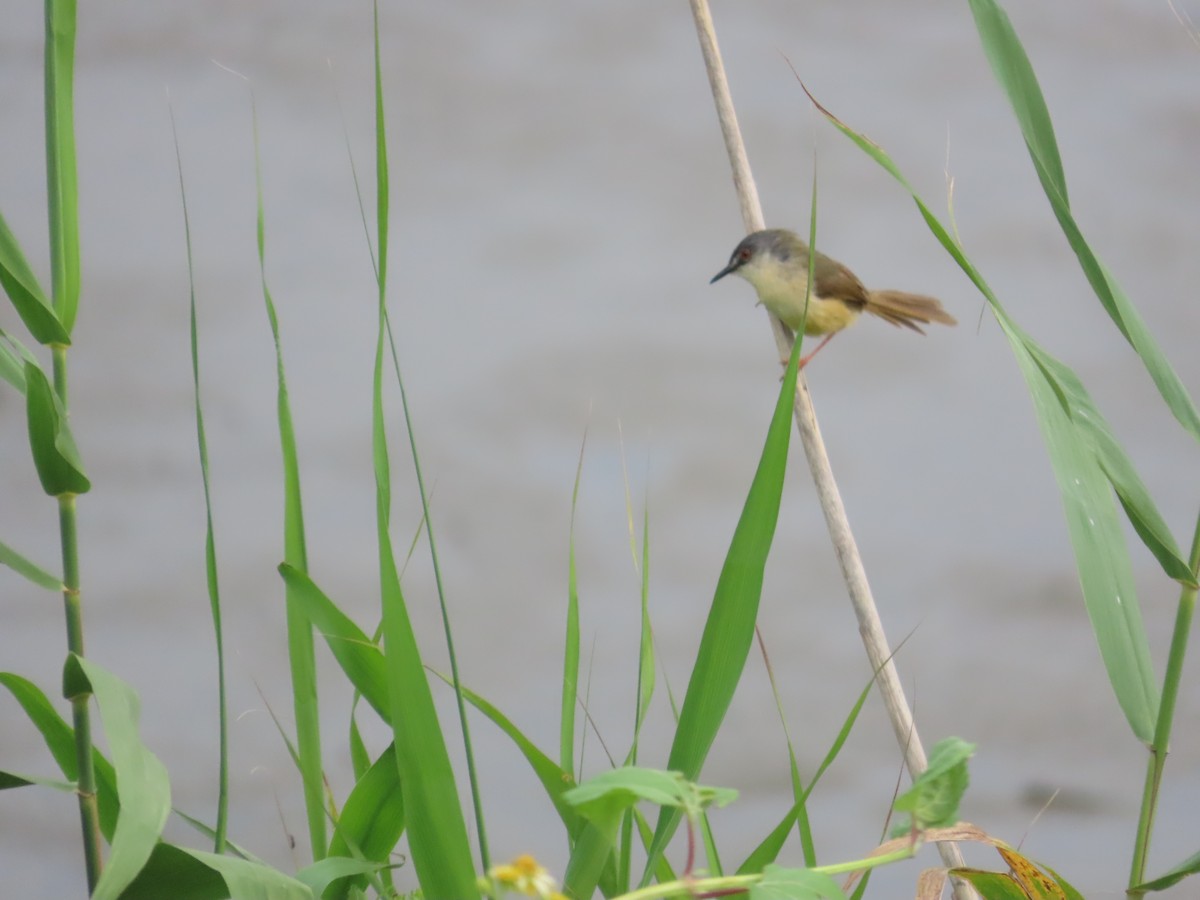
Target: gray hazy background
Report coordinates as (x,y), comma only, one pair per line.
(560,198)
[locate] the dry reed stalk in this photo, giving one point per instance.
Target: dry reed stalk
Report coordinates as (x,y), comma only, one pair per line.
(855,575)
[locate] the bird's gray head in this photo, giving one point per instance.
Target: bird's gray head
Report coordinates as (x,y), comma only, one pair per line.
(778,244)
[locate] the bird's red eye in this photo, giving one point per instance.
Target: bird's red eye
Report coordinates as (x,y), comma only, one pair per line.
(744,254)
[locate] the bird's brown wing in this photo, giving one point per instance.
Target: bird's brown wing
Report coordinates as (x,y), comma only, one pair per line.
(833,281)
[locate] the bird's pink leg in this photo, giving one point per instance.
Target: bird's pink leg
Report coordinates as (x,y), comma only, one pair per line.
(804,359)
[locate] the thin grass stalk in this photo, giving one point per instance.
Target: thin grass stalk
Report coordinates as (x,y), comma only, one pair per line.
(1166,717)
(836,520)
(62,210)
(89,809)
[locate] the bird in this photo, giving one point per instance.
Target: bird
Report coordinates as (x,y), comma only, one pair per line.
(775,261)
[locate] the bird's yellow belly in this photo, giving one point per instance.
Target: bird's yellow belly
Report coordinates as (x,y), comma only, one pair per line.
(824,316)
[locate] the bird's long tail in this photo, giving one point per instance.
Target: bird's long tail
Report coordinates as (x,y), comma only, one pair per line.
(907,310)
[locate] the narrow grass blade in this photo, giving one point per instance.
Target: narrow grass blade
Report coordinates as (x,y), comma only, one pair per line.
(1101,557)
(646,666)
(23,566)
(300,640)
(1013,71)
(142,784)
(210,542)
(21,285)
(570,688)
(55,455)
(61,179)
(729,630)
(60,741)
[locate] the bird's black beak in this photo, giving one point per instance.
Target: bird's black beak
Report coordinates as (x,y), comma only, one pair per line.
(732,267)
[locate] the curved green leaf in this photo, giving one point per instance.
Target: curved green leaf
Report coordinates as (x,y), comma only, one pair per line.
(1174,875)
(779,883)
(185,874)
(55,455)
(60,741)
(174,872)
(1016,76)
(1101,557)
(372,818)
(26,294)
(323,873)
(360,657)
(991,885)
(932,801)
(142,784)
(1135,498)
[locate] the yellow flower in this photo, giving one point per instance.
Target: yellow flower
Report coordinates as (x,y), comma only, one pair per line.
(525,876)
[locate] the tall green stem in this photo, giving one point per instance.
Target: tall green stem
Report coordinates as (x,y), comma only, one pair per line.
(62,197)
(1166,717)
(89,815)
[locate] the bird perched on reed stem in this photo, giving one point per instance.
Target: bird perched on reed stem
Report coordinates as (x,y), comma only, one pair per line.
(776,261)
